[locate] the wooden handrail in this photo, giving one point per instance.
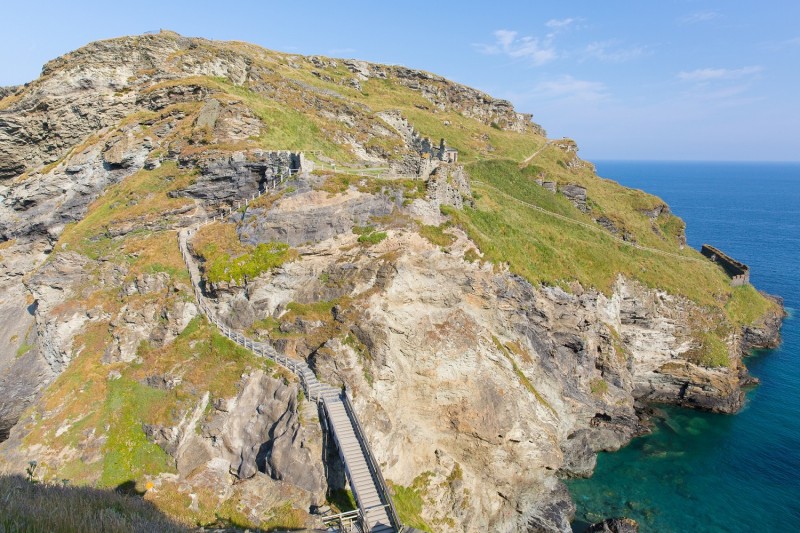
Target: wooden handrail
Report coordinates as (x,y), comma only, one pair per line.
(266,350)
(373,464)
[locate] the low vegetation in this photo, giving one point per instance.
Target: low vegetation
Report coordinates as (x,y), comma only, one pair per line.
(27,506)
(555,251)
(227,260)
(342,500)
(710,351)
(368,235)
(598,386)
(84,400)
(246,267)
(436,235)
(520,374)
(126,209)
(409,501)
(748,306)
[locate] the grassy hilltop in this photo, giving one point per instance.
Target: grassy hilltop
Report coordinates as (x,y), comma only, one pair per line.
(88,428)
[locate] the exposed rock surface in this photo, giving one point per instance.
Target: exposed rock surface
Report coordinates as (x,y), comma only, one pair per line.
(575,194)
(246,173)
(259,430)
(767,334)
(448,185)
(313,216)
(587,356)
(8,91)
(474,386)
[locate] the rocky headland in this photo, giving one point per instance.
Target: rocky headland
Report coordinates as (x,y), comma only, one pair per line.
(491,348)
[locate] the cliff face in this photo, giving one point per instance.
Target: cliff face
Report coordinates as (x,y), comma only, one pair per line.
(482,376)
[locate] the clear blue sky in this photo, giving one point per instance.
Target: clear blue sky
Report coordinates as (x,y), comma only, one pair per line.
(675,80)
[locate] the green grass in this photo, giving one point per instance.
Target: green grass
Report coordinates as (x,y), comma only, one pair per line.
(262,258)
(473,139)
(342,500)
(226,259)
(598,386)
(436,235)
(471,256)
(549,250)
(747,306)
(142,196)
(372,238)
(128,454)
(552,251)
(313,311)
(24,348)
(90,403)
(34,507)
(368,236)
(409,501)
(286,127)
(711,351)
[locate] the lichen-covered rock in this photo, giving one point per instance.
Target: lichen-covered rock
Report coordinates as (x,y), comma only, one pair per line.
(474,387)
(448,185)
(313,216)
(575,194)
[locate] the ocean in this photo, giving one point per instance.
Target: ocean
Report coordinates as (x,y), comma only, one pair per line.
(702,472)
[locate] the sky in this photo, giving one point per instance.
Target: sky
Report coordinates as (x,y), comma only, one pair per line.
(627,79)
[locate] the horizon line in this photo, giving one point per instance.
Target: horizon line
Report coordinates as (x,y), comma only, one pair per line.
(737,161)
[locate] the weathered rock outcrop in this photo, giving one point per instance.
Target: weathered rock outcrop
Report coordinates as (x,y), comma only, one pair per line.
(8,90)
(575,194)
(475,348)
(313,216)
(259,430)
(247,173)
(474,386)
(448,185)
(767,334)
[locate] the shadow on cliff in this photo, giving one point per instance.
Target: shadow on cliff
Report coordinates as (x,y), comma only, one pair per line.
(30,506)
(33,506)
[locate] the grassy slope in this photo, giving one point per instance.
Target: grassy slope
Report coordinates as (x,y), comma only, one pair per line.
(549,250)
(142,197)
(540,248)
(27,506)
(83,399)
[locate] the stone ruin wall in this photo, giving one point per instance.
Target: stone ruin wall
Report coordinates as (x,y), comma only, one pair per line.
(737,271)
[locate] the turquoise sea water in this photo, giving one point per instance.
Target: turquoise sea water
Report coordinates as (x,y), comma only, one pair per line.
(701,472)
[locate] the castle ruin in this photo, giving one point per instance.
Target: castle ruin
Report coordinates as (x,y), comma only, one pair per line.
(737,271)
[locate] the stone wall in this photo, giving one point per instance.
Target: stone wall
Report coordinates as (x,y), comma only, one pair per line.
(738,272)
(242,174)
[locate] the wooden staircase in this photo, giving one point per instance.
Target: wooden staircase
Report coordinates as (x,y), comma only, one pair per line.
(376,510)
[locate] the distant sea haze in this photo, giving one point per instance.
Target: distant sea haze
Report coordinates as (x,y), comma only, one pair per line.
(701,472)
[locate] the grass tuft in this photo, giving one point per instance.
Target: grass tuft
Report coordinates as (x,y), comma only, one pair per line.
(27,506)
(409,501)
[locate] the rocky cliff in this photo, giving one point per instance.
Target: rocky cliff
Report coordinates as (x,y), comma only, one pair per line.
(495,332)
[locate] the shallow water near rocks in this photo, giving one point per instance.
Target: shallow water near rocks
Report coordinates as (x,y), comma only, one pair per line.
(703,472)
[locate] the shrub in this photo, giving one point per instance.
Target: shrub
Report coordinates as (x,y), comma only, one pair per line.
(368,235)
(372,238)
(436,235)
(249,265)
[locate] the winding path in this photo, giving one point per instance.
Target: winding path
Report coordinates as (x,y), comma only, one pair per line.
(589,226)
(376,513)
(537,152)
